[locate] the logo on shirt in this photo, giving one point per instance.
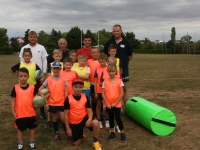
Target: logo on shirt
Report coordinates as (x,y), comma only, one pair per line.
(122,46)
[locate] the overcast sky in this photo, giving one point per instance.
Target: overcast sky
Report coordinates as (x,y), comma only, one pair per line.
(146,18)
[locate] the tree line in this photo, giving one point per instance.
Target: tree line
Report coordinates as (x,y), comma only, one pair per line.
(73,37)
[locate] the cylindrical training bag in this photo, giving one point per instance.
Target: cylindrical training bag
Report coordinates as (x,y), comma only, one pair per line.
(157,119)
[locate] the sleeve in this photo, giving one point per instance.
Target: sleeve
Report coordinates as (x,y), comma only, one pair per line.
(49,68)
(35,90)
(45,83)
(50,59)
(105,49)
(87,105)
(15,67)
(120,64)
(121,84)
(103,87)
(129,48)
(44,60)
(66,104)
(13,93)
(20,54)
(37,67)
(88,70)
(96,74)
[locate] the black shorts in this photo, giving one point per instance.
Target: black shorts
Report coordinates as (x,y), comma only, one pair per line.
(100,96)
(24,123)
(55,109)
(91,88)
(77,129)
(125,74)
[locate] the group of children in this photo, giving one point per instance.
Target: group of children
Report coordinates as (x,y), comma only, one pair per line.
(78,89)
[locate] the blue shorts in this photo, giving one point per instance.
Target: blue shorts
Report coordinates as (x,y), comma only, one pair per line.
(87,93)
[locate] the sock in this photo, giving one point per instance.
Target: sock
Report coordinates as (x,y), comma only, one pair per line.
(32,141)
(95,139)
(20,142)
(64,127)
(55,126)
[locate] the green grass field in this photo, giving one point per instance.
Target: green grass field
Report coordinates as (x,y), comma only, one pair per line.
(172,81)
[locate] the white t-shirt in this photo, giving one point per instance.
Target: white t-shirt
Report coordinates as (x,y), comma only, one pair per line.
(39,55)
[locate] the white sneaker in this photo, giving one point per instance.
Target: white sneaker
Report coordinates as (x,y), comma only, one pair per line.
(117,129)
(107,124)
(100,125)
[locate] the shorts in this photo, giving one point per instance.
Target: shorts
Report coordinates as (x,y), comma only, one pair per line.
(24,123)
(100,96)
(77,129)
(125,74)
(92,88)
(87,93)
(55,109)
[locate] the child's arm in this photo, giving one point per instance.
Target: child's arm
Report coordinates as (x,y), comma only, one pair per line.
(44,85)
(104,98)
(95,87)
(84,77)
(90,115)
(46,103)
(66,92)
(13,107)
(14,69)
(119,98)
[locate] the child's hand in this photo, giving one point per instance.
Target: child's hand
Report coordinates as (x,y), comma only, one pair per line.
(96,96)
(69,132)
(46,106)
(113,105)
(15,115)
(108,106)
(42,79)
(88,123)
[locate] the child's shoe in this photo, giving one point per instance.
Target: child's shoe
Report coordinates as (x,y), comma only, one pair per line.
(111,136)
(20,147)
(57,137)
(97,146)
(100,125)
(32,146)
(123,138)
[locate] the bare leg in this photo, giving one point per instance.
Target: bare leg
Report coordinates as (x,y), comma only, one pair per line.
(32,133)
(78,142)
(20,135)
(98,108)
(125,97)
(96,129)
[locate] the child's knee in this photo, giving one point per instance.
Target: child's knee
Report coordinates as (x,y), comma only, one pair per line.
(95,123)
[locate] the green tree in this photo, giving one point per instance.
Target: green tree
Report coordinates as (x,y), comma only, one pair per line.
(26,37)
(55,36)
(3,37)
(186,38)
(74,38)
(173,37)
(64,34)
(134,42)
(43,38)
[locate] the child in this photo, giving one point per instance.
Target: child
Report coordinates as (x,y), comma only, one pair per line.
(57,87)
(112,95)
(31,66)
(112,51)
(83,72)
(78,113)
(68,74)
(98,85)
(57,56)
(73,56)
(93,64)
(22,108)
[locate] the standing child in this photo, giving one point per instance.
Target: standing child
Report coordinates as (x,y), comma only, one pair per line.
(93,64)
(57,56)
(83,72)
(22,108)
(73,56)
(57,87)
(112,94)
(31,66)
(98,85)
(78,114)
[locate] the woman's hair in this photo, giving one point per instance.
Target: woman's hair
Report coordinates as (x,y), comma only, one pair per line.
(28,50)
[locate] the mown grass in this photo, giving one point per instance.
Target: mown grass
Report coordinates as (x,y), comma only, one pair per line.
(171,81)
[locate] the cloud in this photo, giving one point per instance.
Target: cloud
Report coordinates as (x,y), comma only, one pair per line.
(147,18)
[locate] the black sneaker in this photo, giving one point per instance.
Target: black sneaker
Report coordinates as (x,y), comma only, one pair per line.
(32,146)
(111,136)
(123,137)
(20,147)
(43,116)
(48,124)
(57,137)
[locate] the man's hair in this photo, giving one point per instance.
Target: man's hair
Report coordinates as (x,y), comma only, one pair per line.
(87,36)
(103,56)
(112,46)
(28,50)
(117,25)
(61,40)
(57,51)
(32,33)
(23,69)
(82,56)
(72,52)
(68,59)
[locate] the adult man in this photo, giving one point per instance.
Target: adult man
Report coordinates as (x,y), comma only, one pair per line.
(87,41)
(62,44)
(39,55)
(124,53)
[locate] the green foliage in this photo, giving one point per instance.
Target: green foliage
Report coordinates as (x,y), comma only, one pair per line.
(26,37)
(74,38)
(3,37)
(6,50)
(43,38)
(64,34)
(186,38)
(55,36)
(173,34)
(51,46)
(134,42)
